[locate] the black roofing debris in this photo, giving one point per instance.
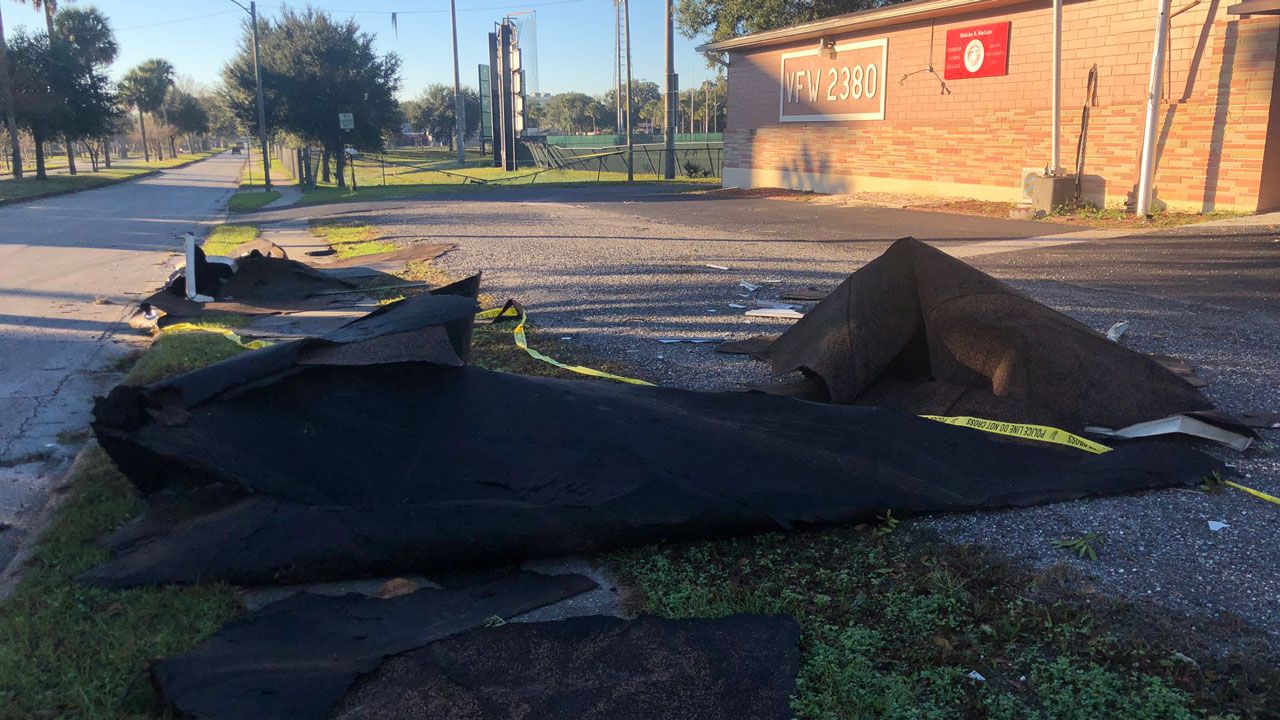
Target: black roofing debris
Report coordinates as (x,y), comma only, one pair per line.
(376,450)
(372,450)
(255,284)
(294,659)
(592,668)
(920,331)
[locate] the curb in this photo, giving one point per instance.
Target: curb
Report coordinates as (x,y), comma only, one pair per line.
(11,574)
(108,183)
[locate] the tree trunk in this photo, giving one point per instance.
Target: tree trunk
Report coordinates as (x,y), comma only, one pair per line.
(39,138)
(324,166)
(6,97)
(71,156)
(142,127)
(106,153)
(341,166)
(173,147)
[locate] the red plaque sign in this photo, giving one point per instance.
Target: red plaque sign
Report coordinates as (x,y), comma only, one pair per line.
(978,51)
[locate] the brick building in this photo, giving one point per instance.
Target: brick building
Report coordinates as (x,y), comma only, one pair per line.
(849,103)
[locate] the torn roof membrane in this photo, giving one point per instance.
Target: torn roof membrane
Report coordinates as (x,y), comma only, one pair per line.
(918,330)
(342,470)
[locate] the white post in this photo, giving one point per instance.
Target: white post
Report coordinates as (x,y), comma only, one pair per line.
(1147,171)
(189,272)
(1055,161)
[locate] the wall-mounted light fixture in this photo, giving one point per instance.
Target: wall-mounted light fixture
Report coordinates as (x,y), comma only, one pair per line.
(827,48)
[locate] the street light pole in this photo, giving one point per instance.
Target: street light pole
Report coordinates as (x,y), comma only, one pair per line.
(631,150)
(459,104)
(262,104)
(669,101)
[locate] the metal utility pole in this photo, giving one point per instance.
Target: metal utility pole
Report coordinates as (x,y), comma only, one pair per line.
(619,121)
(706,112)
(631,150)
(459,104)
(1055,160)
(262,103)
(1146,175)
(669,157)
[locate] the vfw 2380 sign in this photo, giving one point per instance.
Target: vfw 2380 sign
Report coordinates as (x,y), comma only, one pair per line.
(814,86)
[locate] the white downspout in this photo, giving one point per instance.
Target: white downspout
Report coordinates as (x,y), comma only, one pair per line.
(1147,172)
(1055,161)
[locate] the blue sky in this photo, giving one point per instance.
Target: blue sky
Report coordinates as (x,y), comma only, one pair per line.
(575,37)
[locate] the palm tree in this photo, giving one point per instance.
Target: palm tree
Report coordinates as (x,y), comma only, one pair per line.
(145,86)
(90,33)
(50,8)
(6,97)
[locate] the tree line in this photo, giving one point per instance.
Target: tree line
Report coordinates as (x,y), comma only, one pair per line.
(54,88)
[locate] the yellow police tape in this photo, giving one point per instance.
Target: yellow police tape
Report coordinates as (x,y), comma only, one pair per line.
(1041,433)
(513,309)
(1044,433)
(1251,491)
(190,327)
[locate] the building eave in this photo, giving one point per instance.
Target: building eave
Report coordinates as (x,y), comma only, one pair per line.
(862,20)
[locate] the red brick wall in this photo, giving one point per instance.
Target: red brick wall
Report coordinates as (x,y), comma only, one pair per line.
(1213,129)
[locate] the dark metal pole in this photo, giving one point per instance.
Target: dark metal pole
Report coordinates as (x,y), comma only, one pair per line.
(262,103)
(631,150)
(669,157)
(459,106)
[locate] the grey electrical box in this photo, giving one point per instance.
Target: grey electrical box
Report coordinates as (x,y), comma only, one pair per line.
(1049,193)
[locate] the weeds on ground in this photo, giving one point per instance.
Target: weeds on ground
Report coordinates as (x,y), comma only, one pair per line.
(1085,546)
(1094,216)
(1084,215)
(894,623)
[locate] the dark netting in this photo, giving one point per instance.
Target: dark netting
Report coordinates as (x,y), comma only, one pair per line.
(592,668)
(296,658)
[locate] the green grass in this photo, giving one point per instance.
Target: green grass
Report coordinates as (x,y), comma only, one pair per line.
(120,170)
(351,239)
(435,171)
(226,238)
(249,201)
(893,623)
(177,352)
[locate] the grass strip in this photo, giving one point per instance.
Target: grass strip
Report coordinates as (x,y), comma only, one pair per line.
(225,238)
(29,188)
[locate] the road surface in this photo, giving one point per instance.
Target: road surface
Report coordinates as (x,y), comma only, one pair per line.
(71,268)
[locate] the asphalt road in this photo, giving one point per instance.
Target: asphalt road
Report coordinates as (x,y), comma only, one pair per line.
(71,269)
